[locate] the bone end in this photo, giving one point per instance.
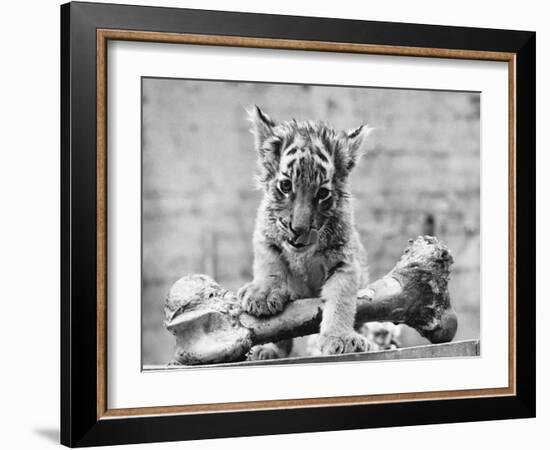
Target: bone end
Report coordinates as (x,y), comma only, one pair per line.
(446,330)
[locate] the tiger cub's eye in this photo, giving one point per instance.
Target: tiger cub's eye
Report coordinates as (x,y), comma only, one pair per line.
(285,186)
(323,194)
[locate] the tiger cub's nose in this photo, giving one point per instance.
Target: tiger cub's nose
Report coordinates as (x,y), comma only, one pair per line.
(301,234)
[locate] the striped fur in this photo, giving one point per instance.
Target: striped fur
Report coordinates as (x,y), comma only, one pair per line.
(304,173)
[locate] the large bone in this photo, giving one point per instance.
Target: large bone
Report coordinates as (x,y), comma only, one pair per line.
(210,325)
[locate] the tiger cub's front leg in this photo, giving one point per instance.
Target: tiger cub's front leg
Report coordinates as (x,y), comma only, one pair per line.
(268,292)
(339,292)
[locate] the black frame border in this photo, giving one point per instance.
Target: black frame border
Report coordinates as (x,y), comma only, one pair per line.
(79,423)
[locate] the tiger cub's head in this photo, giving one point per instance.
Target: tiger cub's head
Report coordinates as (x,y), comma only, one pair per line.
(304,170)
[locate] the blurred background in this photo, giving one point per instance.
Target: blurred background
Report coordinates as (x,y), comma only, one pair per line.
(421,175)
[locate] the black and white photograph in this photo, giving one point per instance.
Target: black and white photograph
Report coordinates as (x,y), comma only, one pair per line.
(298,223)
(275,225)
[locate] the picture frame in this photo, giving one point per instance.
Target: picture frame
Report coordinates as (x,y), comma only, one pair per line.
(86,29)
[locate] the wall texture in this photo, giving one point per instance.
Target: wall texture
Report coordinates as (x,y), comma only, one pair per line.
(421,175)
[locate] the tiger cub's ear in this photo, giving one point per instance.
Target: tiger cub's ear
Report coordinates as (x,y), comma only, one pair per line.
(356,144)
(350,148)
(267,144)
(262,126)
